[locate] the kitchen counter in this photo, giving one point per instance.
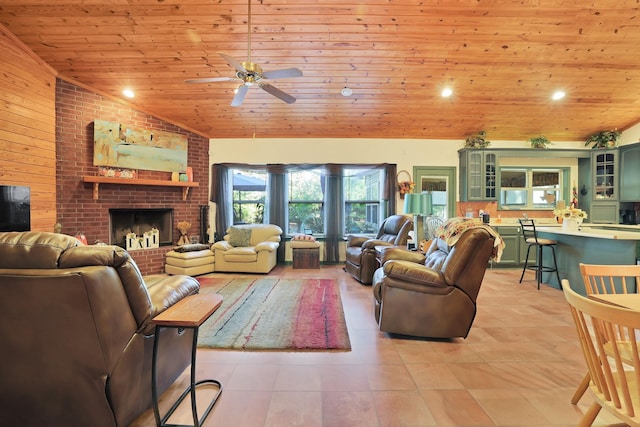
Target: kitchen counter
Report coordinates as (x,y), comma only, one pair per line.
(596,231)
(551,222)
(591,244)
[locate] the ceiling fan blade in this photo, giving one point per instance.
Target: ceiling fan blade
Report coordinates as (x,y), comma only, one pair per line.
(241,92)
(210,80)
(277,93)
(232,61)
(283,74)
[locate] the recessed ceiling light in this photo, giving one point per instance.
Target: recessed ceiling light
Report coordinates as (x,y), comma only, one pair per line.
(559,94)
(128,93)
(346,91)
(446,92)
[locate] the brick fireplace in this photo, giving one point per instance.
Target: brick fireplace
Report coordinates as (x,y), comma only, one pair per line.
(139,221)
(79,212)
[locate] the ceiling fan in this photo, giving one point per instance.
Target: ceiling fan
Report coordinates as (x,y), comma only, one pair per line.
(251,74)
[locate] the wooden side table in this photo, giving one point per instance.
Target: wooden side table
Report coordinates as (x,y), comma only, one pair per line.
(189,313)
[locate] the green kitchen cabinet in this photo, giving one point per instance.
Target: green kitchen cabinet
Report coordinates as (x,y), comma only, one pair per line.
(604,212)
(629,167)
(478,175)
(604,173)
(515,251)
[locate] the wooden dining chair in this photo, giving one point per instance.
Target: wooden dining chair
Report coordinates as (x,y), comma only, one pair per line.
(607,335)
(606,279)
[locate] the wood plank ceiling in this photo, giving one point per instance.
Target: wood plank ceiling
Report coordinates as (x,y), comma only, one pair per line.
(502,58)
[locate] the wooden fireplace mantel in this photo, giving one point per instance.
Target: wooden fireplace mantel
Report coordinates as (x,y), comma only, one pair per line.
(97,180)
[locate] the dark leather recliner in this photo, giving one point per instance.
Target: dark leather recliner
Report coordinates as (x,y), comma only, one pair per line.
(76,333)
(361,253)
(435,295)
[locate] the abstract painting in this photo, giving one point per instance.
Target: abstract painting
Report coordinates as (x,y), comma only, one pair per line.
(124,146)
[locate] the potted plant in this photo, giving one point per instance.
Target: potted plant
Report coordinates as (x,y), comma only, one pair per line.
(539,142)
(604,139)
(477,141)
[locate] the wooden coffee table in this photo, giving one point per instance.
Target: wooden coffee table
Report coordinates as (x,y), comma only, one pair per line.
(189,313)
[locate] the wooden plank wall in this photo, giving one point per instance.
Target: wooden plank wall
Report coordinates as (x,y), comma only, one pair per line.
(28,127)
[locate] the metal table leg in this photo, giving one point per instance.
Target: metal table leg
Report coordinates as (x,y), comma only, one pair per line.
(190,390)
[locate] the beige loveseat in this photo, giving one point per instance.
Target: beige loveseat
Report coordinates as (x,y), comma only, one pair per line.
(76,331)
(248,248)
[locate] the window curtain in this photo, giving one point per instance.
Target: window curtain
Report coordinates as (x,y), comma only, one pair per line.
(390,188)
(220,195)
(333,213)
(278,201)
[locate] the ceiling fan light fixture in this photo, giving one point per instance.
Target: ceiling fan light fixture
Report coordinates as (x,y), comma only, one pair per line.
(346,91)
(251,74)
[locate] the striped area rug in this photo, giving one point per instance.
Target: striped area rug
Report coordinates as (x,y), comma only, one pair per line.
(275,314)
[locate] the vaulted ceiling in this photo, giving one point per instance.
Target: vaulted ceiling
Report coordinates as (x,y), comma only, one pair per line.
(503,59)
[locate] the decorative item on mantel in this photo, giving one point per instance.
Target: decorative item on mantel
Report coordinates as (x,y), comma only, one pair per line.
(539,142)
(117,172)
(571,217)
(604,139)
(149,239)
(406,185)
(477,141)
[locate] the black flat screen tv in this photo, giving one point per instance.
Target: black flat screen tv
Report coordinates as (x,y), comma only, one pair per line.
(15,208)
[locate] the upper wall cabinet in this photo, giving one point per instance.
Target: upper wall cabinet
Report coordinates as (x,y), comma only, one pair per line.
(478,175)
(605,174)
(478,167)
(629,178)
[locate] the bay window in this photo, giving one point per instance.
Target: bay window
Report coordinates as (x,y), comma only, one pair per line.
(306,202)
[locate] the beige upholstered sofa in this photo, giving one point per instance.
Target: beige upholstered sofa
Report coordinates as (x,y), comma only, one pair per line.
(248,248)
(76,331)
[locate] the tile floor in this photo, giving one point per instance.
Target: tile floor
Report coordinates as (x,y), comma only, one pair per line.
(518,367)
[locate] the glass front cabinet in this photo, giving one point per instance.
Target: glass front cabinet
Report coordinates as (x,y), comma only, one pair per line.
(604,172)
(629,167)
(477,175)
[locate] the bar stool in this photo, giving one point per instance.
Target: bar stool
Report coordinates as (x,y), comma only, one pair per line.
(531,237)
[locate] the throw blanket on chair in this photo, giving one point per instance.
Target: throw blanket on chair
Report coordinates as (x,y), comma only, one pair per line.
(451,231)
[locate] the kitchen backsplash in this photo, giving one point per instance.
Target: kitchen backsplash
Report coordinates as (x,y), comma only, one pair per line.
(492,209)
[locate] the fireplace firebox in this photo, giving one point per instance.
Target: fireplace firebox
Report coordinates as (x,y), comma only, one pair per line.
(139,221)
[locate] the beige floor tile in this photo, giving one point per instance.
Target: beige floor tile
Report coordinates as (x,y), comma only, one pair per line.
(402,408)
(390,377)
(508,408)
(519,366)
(344,378)
(298,377)
(253,377)
(240,409)
(349,409)
(455,408)
(433,375)
(295,409)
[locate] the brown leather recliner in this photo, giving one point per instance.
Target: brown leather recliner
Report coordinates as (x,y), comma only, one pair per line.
(361,253)
(76,333)
(435,295)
